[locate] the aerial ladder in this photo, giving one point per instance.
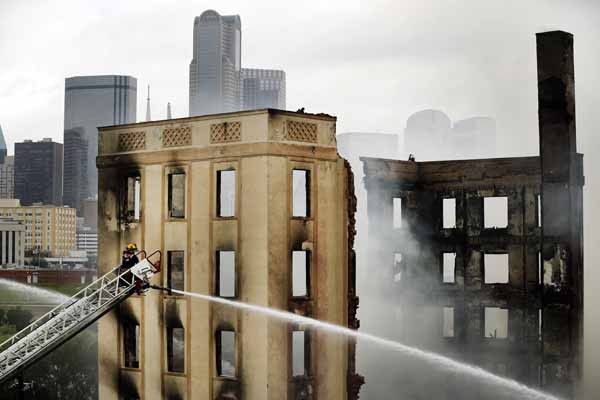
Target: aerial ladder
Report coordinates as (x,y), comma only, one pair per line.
(74,315)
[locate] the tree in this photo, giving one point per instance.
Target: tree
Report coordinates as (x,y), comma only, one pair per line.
(19,318)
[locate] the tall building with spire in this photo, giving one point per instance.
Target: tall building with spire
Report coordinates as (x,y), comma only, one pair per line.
(3,150)
(148,112)
(90,102)
(216,64)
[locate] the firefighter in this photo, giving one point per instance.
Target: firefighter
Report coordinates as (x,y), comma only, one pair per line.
(129,260)
(129,257)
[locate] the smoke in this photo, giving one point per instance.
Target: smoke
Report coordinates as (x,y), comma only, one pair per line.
(396,300)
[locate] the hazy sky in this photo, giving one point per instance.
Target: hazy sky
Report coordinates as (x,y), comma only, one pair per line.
(371,63)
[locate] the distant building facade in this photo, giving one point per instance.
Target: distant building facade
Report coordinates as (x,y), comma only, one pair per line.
(39,172)
(90,102)
(262,88)
(89,212)
(431,135)
(3,150)
(7,178)
(87,240)
(49,229)
(75,167)
(216,64)
(473,138)
(12,242)
(7,171)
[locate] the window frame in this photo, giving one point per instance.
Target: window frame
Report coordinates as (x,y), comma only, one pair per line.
(126,325)
(484,327)
(218,203)
(483,269)
(445,199)
(169,181)
(127,215)
(308,275)
(401,206)
(168,274)
(308,184)
(306,350)
(483,220)
(442,265)
(217,287)
(170,350)
(219,354)
(444,308)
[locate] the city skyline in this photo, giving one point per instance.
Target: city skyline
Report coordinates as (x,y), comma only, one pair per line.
(510,109)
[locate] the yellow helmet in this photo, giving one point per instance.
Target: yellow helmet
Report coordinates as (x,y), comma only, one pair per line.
(131,246)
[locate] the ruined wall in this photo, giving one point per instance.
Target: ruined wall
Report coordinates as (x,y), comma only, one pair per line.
(524,323)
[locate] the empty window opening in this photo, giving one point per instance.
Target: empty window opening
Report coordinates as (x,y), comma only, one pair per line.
(175,270)
(495,212)
(496,323)
(131,344)
(540,267)
(449,268)
(176,198)
(300,273)
(132,200)
(540,320)
(397,267)
(299,353)
(449,213)
(226,193)
(176,349)
(397,212)
(496,268)
(448,324)
(300,193)
(225,273)
(539,209)
(225,353)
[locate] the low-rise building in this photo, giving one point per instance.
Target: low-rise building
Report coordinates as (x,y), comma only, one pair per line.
(87,240)
(49,229)
(12,241)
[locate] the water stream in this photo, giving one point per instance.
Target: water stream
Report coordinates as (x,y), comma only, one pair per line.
(21,293)
(449,364)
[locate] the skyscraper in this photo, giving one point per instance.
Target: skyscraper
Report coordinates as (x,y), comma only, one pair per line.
(262,88)
(90,102)
(7,178)
(7,174)
(39,172)
(216,64)
(75,166)
(3,150)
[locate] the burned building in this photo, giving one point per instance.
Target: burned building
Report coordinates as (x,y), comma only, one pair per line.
(254,206)
(485,256)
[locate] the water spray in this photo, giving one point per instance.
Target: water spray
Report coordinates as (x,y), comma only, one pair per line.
(444,362)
